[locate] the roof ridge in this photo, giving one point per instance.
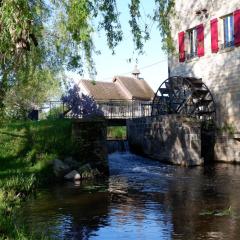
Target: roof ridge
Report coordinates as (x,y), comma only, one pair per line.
(88,80)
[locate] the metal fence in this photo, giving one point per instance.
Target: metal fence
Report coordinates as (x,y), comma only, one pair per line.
(52,109)
(125,109)
(112,109)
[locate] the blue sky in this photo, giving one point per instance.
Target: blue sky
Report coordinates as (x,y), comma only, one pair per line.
(152,64)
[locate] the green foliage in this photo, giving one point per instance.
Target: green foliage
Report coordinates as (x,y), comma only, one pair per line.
(228,129)
(110,23)
(21,22)
(70,24)
(164,10)
(218,213)
(27,149)
(30,91)
(55,112)
(117,132)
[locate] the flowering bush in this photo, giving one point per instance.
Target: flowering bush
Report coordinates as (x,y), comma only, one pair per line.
(79,104)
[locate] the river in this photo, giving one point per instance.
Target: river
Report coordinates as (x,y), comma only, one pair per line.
(142,199)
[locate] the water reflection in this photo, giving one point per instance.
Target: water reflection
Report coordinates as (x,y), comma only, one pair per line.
(142,199)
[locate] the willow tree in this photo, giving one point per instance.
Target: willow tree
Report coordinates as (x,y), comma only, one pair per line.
(77,20)
(63,31)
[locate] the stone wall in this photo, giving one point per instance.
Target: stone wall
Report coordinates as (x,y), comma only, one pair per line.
(227,149)
(89,138)
(220,71)
(171,139)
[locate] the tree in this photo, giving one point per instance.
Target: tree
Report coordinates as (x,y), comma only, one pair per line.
(78,19)
(71,23)
(61,31)
(30,92)
(79,104)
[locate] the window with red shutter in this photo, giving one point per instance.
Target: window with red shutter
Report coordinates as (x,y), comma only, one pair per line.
(228,31)
(181,36)
(192,43)
(214,35)
(236,15)
(200,40)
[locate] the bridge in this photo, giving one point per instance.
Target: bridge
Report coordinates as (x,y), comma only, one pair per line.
(186,96)
(117,112)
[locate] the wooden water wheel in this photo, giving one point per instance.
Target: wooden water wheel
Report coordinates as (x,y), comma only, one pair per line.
(186,96)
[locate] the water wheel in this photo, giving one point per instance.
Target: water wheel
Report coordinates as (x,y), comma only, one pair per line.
(186,96)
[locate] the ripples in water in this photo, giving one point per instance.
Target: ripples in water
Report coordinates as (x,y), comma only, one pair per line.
(143,199)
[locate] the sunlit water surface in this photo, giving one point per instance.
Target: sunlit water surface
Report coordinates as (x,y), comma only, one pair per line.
(142,199)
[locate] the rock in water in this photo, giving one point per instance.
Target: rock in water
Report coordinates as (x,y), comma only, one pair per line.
(73,175)
(86,171)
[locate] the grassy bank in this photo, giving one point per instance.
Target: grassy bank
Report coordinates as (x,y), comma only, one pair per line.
(26,152)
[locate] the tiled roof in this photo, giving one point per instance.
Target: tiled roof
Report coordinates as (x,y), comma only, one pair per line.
(103,90)
(122,88)
(138,88)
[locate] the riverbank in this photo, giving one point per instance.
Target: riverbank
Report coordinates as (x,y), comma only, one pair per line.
(27,150)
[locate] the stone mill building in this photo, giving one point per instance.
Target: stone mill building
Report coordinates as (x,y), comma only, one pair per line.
(206,34)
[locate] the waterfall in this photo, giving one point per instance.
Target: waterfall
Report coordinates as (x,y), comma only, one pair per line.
(117,146)
(126,146)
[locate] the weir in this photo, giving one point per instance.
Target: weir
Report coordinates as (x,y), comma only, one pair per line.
(117,146)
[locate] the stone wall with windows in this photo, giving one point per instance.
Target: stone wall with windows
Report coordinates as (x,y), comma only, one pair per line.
(219,69)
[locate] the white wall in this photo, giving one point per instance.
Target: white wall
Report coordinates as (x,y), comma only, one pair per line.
(219,71)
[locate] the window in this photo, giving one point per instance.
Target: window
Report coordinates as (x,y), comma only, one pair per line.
(192,43)
(228,31)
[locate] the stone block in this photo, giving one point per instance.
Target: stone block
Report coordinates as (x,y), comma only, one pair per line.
(227,149)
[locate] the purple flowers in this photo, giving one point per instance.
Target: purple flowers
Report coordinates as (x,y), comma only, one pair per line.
(80,105)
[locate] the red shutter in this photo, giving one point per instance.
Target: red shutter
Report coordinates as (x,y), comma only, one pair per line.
(200,39)
(236,15)
(214,35)
(181,36)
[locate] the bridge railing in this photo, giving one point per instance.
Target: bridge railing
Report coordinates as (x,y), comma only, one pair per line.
(113,109)
(118,109)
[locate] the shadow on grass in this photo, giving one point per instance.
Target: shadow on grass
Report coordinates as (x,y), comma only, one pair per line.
(27,149)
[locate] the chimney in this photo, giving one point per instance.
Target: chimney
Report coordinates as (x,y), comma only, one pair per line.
(136,72)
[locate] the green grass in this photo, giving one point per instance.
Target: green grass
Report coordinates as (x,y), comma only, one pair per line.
(26,152)
(118,132)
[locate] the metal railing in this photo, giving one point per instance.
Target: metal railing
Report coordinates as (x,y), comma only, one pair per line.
(112,109)
(119,109)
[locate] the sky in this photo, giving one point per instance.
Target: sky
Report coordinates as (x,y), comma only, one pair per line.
(152,64)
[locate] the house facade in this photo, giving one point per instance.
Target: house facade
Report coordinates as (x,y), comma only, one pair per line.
(124,97)
(206,34)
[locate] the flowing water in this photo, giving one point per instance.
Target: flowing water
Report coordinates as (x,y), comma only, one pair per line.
(142,199)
